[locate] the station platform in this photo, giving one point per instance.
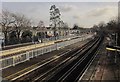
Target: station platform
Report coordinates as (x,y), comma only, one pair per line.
(19,55)
(18,68)
(5,53)
(103,68)
(24,48)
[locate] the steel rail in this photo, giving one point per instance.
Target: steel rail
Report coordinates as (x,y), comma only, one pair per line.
(75,56)
(78,69)
(16,76)
(60,65)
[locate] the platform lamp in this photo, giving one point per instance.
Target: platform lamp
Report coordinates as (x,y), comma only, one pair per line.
(33,36)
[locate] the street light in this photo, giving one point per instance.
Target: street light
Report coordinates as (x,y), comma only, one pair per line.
(33,36)
(2,41)
(116,45)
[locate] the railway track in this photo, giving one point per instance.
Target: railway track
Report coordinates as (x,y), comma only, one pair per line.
(39,68)
(72,68)
(60,65)
(74,73)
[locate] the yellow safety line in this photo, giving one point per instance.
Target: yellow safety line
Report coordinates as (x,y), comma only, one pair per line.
(25,48)
(111,49)
(16,50)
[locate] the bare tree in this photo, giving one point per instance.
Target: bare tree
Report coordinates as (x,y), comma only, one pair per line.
(112,24)
(101,26)
(113,27)
(95,28)
(21,23)
(41,24)
(6,22)
(66,27)
(41,27)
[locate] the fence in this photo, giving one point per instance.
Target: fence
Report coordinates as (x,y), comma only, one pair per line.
(19,58)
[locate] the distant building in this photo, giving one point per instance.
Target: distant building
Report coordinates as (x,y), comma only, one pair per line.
(79,30)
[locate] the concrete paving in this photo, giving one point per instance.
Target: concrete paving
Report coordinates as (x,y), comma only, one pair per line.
(103,67)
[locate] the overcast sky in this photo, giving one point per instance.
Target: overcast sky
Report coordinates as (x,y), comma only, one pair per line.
(60,0)
(84,14)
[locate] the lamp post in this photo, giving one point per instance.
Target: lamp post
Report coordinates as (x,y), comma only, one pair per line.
(2,41)
(116,36)
(33,36)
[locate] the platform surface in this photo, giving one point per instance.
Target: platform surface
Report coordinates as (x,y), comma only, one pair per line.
(104,68)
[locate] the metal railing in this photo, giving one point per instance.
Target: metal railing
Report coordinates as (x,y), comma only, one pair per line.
(19,58)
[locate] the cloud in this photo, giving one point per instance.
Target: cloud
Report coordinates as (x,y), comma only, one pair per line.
(104,11)
(59,0)
(67,8)
(76,16)
(98,12)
